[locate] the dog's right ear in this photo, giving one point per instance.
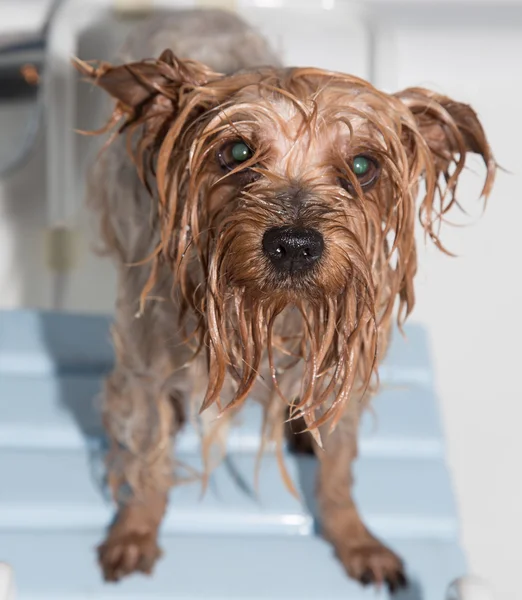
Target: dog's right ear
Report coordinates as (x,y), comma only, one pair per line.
(138,86)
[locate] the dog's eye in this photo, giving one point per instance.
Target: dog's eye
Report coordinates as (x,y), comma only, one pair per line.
(233,154)
(361,166)
(366,169)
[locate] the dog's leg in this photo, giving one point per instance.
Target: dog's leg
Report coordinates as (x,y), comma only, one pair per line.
(363,556)
(140,415)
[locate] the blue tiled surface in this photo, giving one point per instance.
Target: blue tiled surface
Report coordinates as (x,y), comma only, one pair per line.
(232,544)
(61,565)
(388,500)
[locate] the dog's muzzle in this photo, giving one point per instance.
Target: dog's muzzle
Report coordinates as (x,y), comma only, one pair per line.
(291,249)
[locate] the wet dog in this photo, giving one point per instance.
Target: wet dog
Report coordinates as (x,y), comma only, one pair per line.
(262,219)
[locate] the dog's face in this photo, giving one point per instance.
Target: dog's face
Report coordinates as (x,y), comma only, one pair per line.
(298,186)
(291,187)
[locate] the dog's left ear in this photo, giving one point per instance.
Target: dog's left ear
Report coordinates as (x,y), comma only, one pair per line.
(442,133)
(139,87)
(150,97)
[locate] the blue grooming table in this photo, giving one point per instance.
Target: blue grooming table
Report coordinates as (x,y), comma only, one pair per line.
(232,544)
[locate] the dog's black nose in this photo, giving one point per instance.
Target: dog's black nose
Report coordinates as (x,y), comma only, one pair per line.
(292,249)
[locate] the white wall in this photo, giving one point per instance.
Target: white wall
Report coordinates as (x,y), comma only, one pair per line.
(472,304)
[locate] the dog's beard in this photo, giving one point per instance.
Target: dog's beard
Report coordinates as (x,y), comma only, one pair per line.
(317,329)
(326,342)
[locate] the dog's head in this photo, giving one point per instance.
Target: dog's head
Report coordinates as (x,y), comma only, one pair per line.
(281,188)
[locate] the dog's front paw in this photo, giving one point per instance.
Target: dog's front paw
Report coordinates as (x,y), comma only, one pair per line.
(373,563)
(126,552)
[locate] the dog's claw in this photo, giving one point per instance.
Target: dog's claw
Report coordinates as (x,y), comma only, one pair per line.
(396,583)
(367,577)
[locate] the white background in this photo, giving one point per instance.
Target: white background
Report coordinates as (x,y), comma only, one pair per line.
(471,305)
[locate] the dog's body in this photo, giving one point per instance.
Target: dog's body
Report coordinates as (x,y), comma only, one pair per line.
(280,233)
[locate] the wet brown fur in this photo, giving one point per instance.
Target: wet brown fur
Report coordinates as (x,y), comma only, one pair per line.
(203,322)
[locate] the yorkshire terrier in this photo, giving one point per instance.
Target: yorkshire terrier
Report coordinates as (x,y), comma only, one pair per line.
(262,221)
